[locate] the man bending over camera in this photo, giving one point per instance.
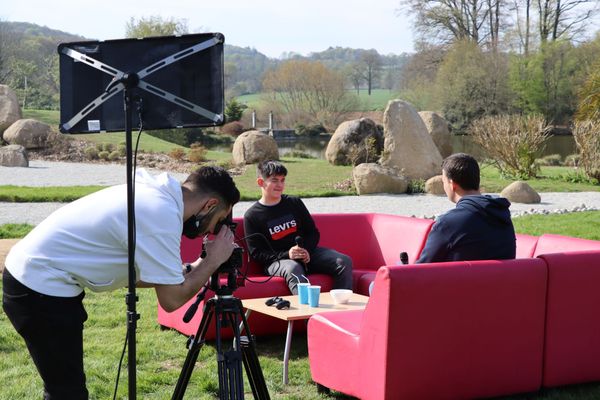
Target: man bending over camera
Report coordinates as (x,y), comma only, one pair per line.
(84,245)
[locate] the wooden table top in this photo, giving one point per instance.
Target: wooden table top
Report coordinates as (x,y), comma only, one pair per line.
(299,311)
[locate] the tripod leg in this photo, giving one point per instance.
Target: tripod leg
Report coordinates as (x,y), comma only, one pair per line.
(194,346)
(251,362)
(231,381)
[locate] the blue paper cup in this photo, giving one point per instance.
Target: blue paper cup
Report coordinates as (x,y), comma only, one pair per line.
(313,295)
(303,292)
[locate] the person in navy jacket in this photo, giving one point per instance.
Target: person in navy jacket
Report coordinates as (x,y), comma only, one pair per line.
(479,228)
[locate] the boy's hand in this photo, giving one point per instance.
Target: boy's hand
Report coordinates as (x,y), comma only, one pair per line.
(299,253)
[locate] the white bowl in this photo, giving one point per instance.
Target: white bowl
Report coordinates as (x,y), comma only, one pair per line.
(340,296)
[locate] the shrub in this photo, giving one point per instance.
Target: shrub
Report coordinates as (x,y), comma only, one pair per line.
(416,186)
(298,154)
(587,138)
(197,153)
(311,130)
(572,160)
(91,153)
(108,147)
(103,155)
(114,155)
(122,149)
(177,153)
(234,110)
(511,141)
(234,128)
(550,160)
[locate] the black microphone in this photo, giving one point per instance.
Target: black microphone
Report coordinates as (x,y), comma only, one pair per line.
(299,241)
(404,257)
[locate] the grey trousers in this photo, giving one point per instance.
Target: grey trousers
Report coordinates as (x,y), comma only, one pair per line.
(322,261)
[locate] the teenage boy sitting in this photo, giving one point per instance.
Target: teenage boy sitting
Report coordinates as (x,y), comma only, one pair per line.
(292,236)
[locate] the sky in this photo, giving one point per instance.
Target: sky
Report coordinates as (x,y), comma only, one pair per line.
(270,26)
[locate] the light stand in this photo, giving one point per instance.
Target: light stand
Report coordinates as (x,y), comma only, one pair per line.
(182,81)
(130,81)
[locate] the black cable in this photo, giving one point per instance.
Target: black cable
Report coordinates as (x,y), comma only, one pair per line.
(245,274)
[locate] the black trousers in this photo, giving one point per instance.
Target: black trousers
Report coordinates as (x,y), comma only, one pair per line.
(53,331)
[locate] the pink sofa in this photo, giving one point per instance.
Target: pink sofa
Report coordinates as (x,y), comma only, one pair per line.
(372,240)
(469,329)
(446,330)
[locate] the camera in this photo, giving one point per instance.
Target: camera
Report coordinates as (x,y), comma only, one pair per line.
(234,262)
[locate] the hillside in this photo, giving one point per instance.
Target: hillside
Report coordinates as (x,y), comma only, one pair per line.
(29,64)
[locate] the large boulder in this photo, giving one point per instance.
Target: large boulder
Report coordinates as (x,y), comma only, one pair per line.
(439,129)
(13,155)
(435,186)
(354,142)
(375,178)
(10,112)
(253,147)
(520,192)
(407,143)
(29,133)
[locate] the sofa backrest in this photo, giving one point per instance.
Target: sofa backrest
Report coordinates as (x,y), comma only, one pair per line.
(373,240)
(396,234)
(549,243)
(526,245)
(427,327)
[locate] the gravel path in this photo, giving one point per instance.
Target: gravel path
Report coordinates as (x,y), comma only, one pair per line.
(44,173)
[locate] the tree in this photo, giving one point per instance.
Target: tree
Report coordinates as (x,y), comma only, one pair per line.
(564,19)
(451,20)
(234,110)
(472,83)
(589,97)
(544,82)
(307,90)
(369,67)
(155,26)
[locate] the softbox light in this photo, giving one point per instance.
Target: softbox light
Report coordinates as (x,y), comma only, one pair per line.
(180,82)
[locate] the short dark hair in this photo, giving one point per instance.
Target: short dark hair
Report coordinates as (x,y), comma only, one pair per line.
(213,181)
(269,168)
(462,169)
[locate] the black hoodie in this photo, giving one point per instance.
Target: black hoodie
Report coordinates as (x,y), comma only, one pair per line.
(479,228)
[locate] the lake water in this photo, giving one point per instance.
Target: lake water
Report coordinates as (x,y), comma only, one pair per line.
(316,147)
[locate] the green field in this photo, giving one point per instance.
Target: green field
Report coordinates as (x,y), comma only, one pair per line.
(376,101)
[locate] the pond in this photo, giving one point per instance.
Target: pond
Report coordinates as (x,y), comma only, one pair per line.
(316,147)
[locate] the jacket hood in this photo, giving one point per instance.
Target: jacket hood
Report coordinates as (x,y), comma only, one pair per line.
(495,208)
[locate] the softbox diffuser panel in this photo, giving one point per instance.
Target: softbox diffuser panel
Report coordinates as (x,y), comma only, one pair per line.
(192,80)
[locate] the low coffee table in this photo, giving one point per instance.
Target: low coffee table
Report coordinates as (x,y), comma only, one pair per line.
(299,311)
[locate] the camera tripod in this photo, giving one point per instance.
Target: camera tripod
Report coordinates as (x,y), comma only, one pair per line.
(229,312)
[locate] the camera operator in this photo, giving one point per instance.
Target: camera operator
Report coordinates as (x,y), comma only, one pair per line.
(84,245)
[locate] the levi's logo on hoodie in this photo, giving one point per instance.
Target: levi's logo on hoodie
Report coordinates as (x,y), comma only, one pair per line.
(282,227)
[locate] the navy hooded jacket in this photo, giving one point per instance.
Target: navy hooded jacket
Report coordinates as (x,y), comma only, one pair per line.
(479,228)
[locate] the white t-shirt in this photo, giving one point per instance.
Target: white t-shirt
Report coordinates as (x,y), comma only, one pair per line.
(84,243)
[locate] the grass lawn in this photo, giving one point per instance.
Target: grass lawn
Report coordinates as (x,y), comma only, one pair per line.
(376,101)
(161,353)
